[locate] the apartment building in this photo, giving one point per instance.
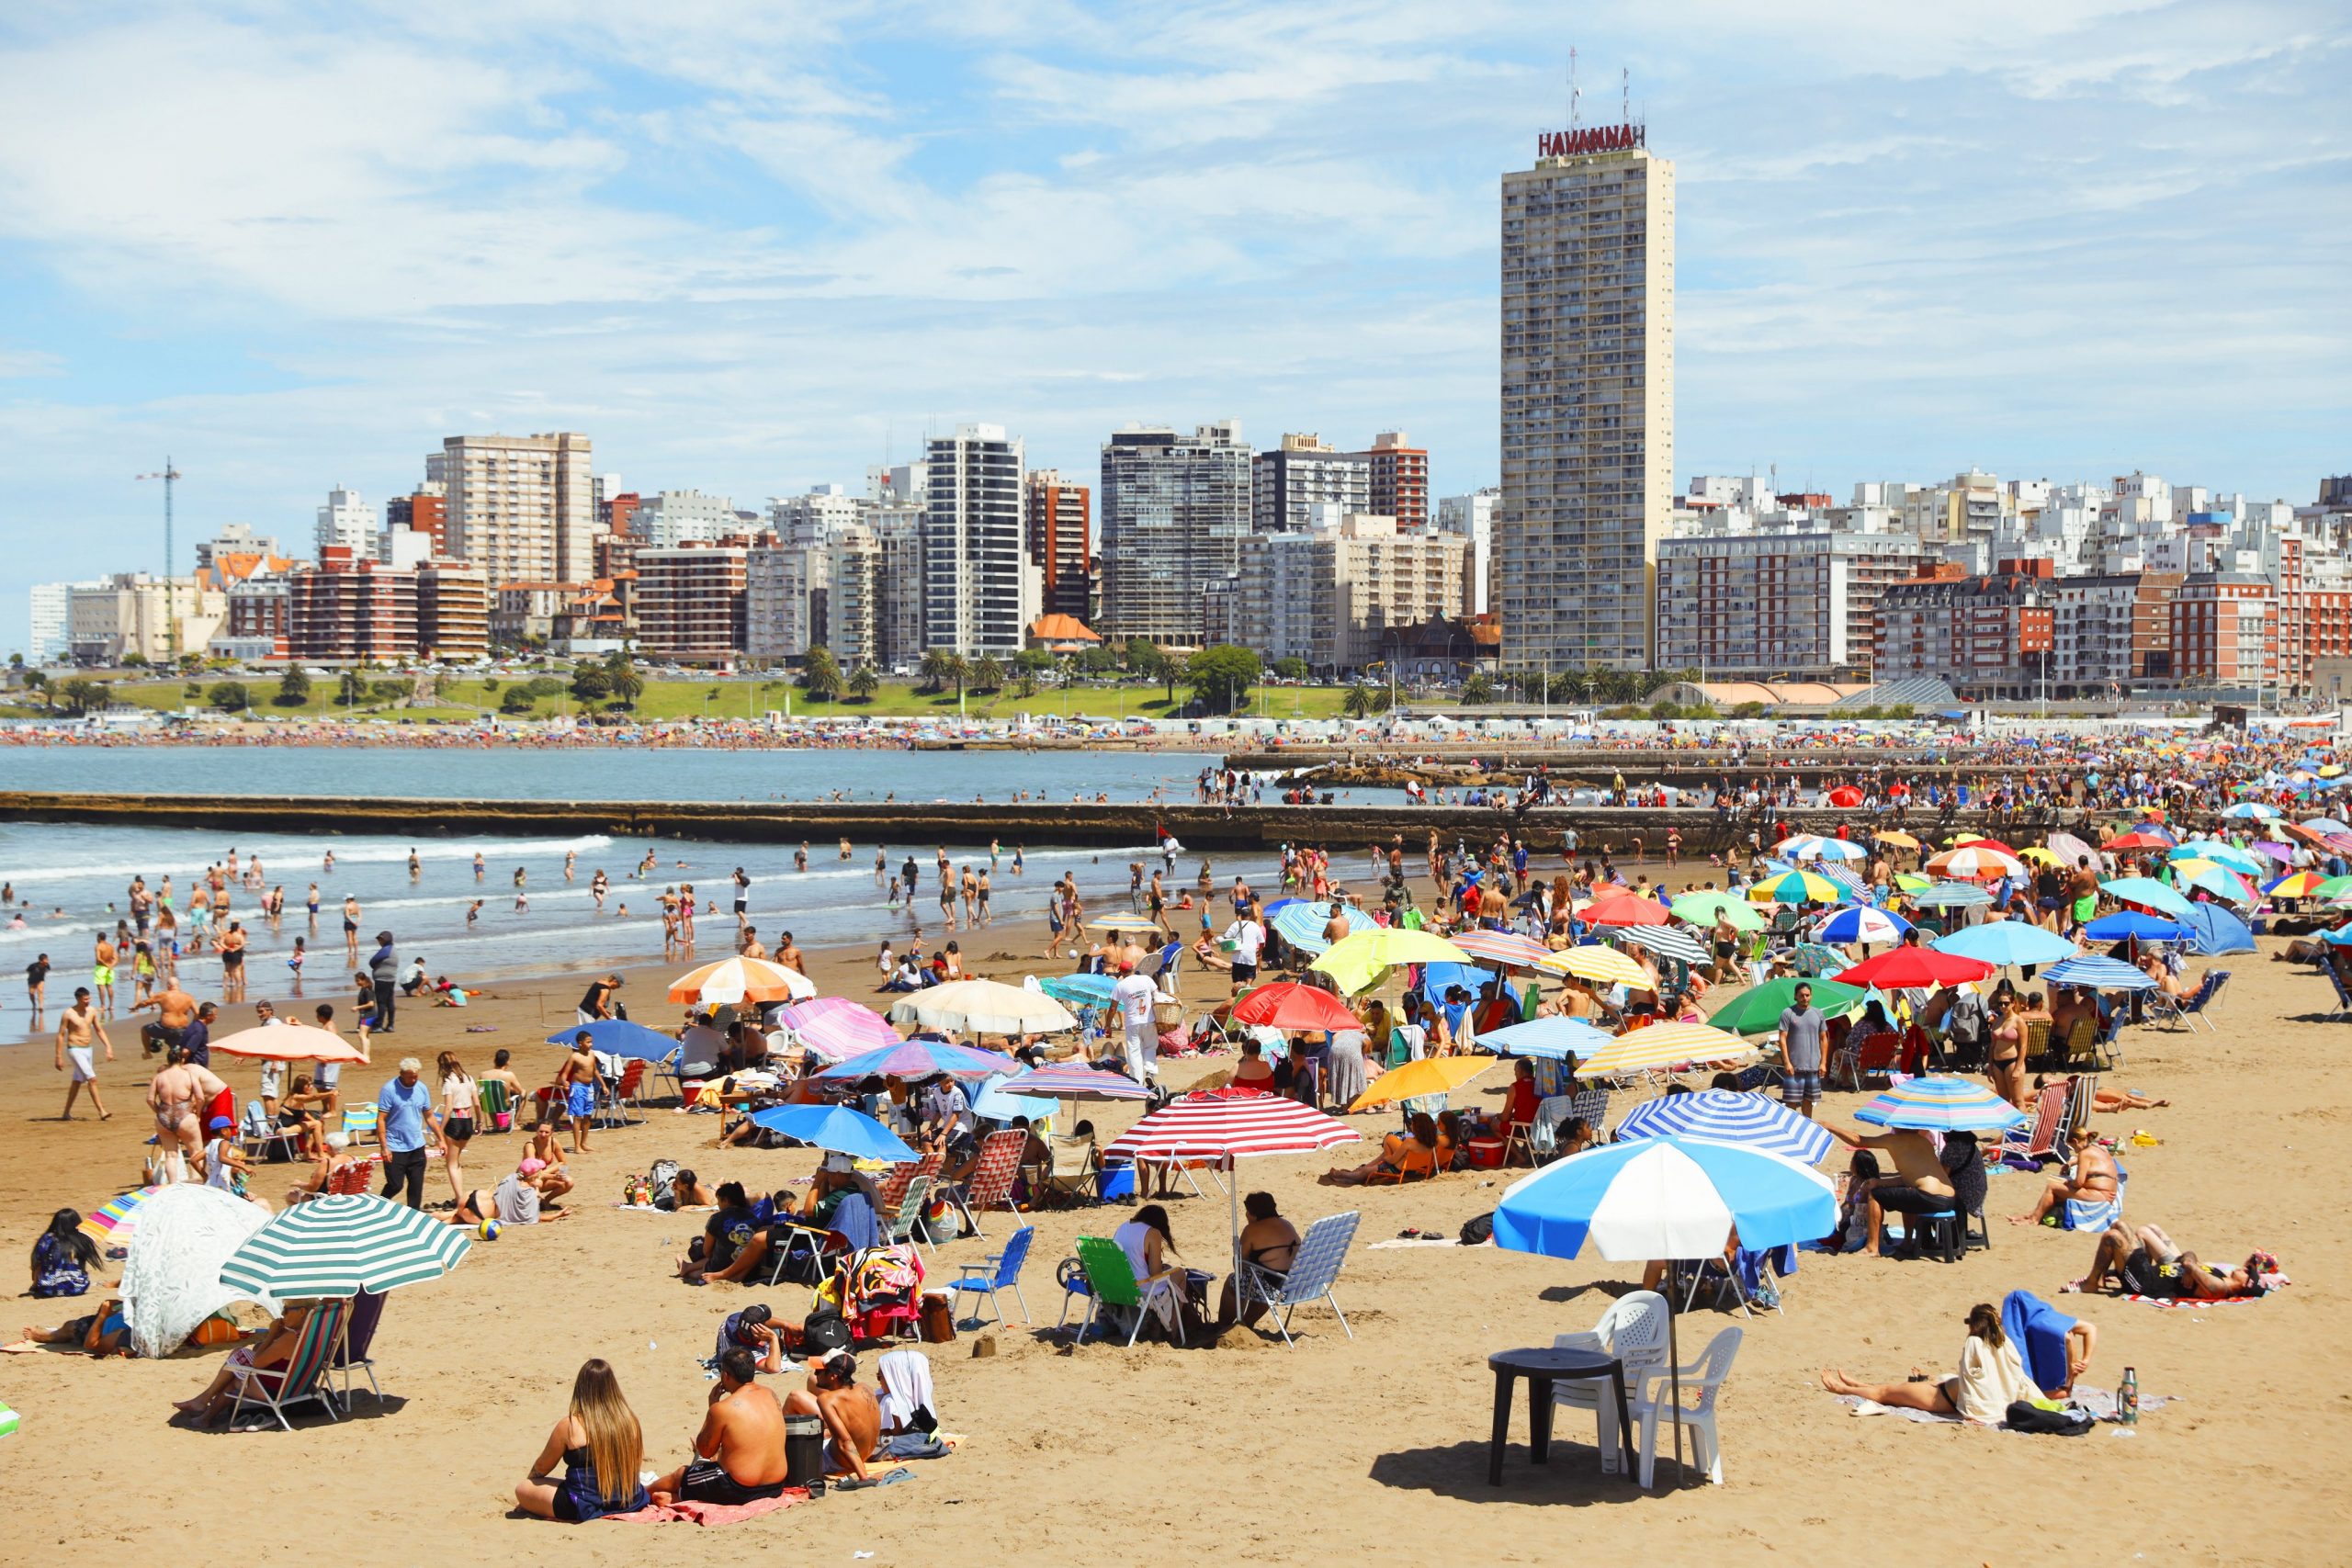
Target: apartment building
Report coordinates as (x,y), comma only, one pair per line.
(452,612)
(978,590)
(1779,604)
(692,601)
(2225,630)
(1331,595)
(350,611)
(1061,543)
(1989,635)
(1175,511)
(1302,473)
(1399,480)
(523,508)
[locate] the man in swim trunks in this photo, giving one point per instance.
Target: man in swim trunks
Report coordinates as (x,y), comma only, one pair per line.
(76,1031)
(579,1082)
(2150,1263)
(174,1011)
(739,1454)
(1920,1185)
(852,1418)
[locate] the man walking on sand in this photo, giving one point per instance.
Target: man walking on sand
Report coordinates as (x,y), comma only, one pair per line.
(76,1030)
(579,1084)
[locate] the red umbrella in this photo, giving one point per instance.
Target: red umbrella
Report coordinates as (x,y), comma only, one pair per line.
(1228,1122)
(1287,1005)
(2137,841)
(1845,794)
(1625,911)
(1986,845)
(1914,967)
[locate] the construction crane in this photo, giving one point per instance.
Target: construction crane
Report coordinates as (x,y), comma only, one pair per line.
(170,475)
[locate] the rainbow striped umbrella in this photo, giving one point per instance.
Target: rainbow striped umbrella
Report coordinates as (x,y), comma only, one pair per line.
(1941,1105)
(834,1028)
(2296,885)
(1797,887)
(112,1223)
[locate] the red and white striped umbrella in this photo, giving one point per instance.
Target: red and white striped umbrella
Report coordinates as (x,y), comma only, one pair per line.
(1976,862)
(1221,1123)
(834,1028)
(1502,947)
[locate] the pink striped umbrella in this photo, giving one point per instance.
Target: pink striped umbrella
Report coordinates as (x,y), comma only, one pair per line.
(1502,947)
(836,1029)
(1075,1081)
(1225,1123)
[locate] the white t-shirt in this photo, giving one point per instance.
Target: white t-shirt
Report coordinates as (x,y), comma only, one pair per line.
(1247,937)
(1136,997)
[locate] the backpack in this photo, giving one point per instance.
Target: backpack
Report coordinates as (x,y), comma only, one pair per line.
(2068,1421)
(1965,1020)
(824,1331)
(1479,1230)
(662,1180)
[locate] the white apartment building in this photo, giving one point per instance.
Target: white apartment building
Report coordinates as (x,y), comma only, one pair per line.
(1171,514)
(345,522)
(853,596)
(51,627)
(523,508)
(1328,594)
(1587,397)
(813,518)
(786,605)
(979,590)
(678,517)
(898,529)
(1472,517)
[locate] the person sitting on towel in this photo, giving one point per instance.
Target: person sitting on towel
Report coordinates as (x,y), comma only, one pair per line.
(739,1454)
(1991,1378)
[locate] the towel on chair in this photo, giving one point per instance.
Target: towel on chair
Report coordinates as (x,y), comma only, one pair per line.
(2041,1330)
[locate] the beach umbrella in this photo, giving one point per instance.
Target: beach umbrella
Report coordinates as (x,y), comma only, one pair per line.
(1705,908)
(619,1037)
(171,1282)
(340,1246)
(1626,910)
(112,1223)
(1812,846)
(2007,942)
(1663,1047)
(1079,990)
(842,1129)
(993,1102)
(1603,965)
(2271,849)
(2140,839)
(2099,972)
(1668,1197)
(1901,841)
(2253,809)
(1860,923)
(2040,856)
(2217,931)
(2324,824)
(1363,957)
(1844,796)
(1667,941)
(1507,949)
(1909,969)
(1430,1074)
(739,979)
(835,1028)
(2146,892)
(290,1043)
(1979,842)
(913,1059)
(1797,887)
(2070,850)
(2219,853)
(983,1006)
(2296,885)
(1076,1080)
(2340,936)
(1124,922)
(1757,1010)
(2137,925)
(1913,882)
(1748,1120)
(1941,1105)
(2222,883)
(1554,1038)
(1976,862)
(1285,1004)
(1303,923)
(2335,887)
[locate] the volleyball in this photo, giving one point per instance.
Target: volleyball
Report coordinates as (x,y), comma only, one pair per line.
(490,1230)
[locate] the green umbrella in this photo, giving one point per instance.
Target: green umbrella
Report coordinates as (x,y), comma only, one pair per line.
(339,1246)
(1758,1010)
(1700,910)
(2334,888)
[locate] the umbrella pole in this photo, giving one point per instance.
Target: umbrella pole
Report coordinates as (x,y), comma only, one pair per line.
(1674,1360)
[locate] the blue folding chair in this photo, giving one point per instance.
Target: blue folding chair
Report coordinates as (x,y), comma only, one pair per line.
(1003,1273)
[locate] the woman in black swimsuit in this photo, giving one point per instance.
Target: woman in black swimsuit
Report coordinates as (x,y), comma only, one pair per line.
(1269,1247)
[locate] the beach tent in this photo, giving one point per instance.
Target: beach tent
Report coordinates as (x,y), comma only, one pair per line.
(2218,930)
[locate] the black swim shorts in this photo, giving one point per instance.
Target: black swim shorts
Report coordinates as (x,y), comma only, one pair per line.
(706,1481)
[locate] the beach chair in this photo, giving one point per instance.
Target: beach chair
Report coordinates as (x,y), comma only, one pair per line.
(1110,1280)
(894,1186)
(991,1184)
(2037,1045)
(360,1121)
(353,1180)
(1632,1330)
(1313,1270)
(260,1131)
(2188,1009)
(903,1222)
(2343,997)
(1000,1271)
(1074,1172)
(352,1350)
(1875,1053)
(2078,1215)
(621,1093)
(1542,1135)
(302,1380)
(2082,1051)
(1653,1406)
(497,1103)
(2045,1137)
(1592,1105)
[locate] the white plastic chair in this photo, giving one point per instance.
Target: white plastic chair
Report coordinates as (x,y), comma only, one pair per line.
(1632,1330)
(1705,1377)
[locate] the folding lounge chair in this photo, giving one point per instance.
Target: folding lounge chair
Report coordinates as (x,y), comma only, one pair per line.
(1313,1271)
(302,1379)
(2046,1137)
(895,1185)
(1110,1281)
(496,1101)
(903,1223)
(1000,1271)
(991,1184)
(260,1131)
(1076,1170)
(2078,1215)
(351,1351)
(1542,1135)
(1592,1106)
(360,1121)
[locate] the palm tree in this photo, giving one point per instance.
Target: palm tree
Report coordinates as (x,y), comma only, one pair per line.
(1478,689)
(938,668)
(864,681)
(987,675)
(821,674)
(1357,703)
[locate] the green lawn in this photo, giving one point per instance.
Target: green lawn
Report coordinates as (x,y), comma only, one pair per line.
(465,699)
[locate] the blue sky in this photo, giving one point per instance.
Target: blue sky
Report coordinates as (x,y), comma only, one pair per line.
(755,247)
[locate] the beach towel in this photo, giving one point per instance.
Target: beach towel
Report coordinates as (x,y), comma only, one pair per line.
(2100,1402)
(903,1379)
(709,1513)
(855,1222)
(2041,1329)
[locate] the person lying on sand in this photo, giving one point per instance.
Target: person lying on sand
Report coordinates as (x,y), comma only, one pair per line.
(1991,1377)
(2150,1263)
(103,1333)
(2091,1179)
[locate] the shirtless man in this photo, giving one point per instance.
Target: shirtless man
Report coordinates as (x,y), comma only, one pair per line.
(853,1420)
(579,1084)
(1920,1185)
(2150,1263)
(178,1096)
(751,947)
(174,1011)
(101,964)
(739,1454)
(2093,1179)
(77,1031)
(787,952)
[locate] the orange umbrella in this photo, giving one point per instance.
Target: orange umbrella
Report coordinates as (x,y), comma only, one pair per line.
(741,980)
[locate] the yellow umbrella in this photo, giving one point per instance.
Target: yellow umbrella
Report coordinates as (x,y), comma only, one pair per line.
(1903,840)
(1604,965)
(2040,856)
(1666,1045)
(2189,868)
(1358,959)
(1431,1074)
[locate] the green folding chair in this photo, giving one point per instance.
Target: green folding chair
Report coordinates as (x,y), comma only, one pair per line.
(1110,1281)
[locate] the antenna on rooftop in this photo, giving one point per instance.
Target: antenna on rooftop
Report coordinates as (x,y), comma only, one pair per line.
(1624,95)
(1572,93)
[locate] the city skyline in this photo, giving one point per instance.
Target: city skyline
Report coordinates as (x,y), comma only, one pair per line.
(748,256)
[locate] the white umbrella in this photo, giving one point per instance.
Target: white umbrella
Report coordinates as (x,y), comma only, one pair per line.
(171,1282)
(983,1006)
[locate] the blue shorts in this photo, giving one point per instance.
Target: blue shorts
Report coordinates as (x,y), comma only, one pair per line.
(582,1100)
(1796,1088)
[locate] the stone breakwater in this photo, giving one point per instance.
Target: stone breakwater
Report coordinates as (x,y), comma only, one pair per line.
(1198,828)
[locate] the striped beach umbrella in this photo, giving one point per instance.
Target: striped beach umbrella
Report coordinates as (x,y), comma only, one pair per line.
(913,1059)
(1797,887)
(1075,1080)
(112,1223)
(1941,1105)
(1302,925)
(2100,974)
(1554,1038)
(1667,941)
(2219,852)
(1508,949)
(834,1028)
(339,1246)
(1950,895)
(1666,1045)
(740,979)
(1124,922)
(1221,1122)
(1749,1119)
(1603,965)
(1977,862)
(1860,923)
(2296,885)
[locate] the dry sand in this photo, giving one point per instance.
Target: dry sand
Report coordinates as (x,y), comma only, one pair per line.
(1335,1451)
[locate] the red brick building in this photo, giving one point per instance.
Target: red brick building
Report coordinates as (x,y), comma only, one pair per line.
(1400,481)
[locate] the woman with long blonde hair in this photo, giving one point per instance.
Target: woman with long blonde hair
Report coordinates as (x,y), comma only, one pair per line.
(602,1447)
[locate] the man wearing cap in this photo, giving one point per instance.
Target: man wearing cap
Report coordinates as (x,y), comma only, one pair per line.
(383,973)
(403,1106)
(853,1420)
(1136,997)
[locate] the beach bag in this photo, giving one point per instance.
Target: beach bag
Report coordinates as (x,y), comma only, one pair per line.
(2068,1421)
(662,1180)
(824,1331)
(1479,1230)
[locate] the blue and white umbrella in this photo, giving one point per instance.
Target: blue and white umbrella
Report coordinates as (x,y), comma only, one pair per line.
(1301,925)
(2008,942)
(2253,808)
(1553,1038)
(2100,974)
(2324,824)
(1748,1120)
(1671,1196)
(1950,895)
(1862,923)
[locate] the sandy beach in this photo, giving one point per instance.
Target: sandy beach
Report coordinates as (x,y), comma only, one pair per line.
(1332,1451)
